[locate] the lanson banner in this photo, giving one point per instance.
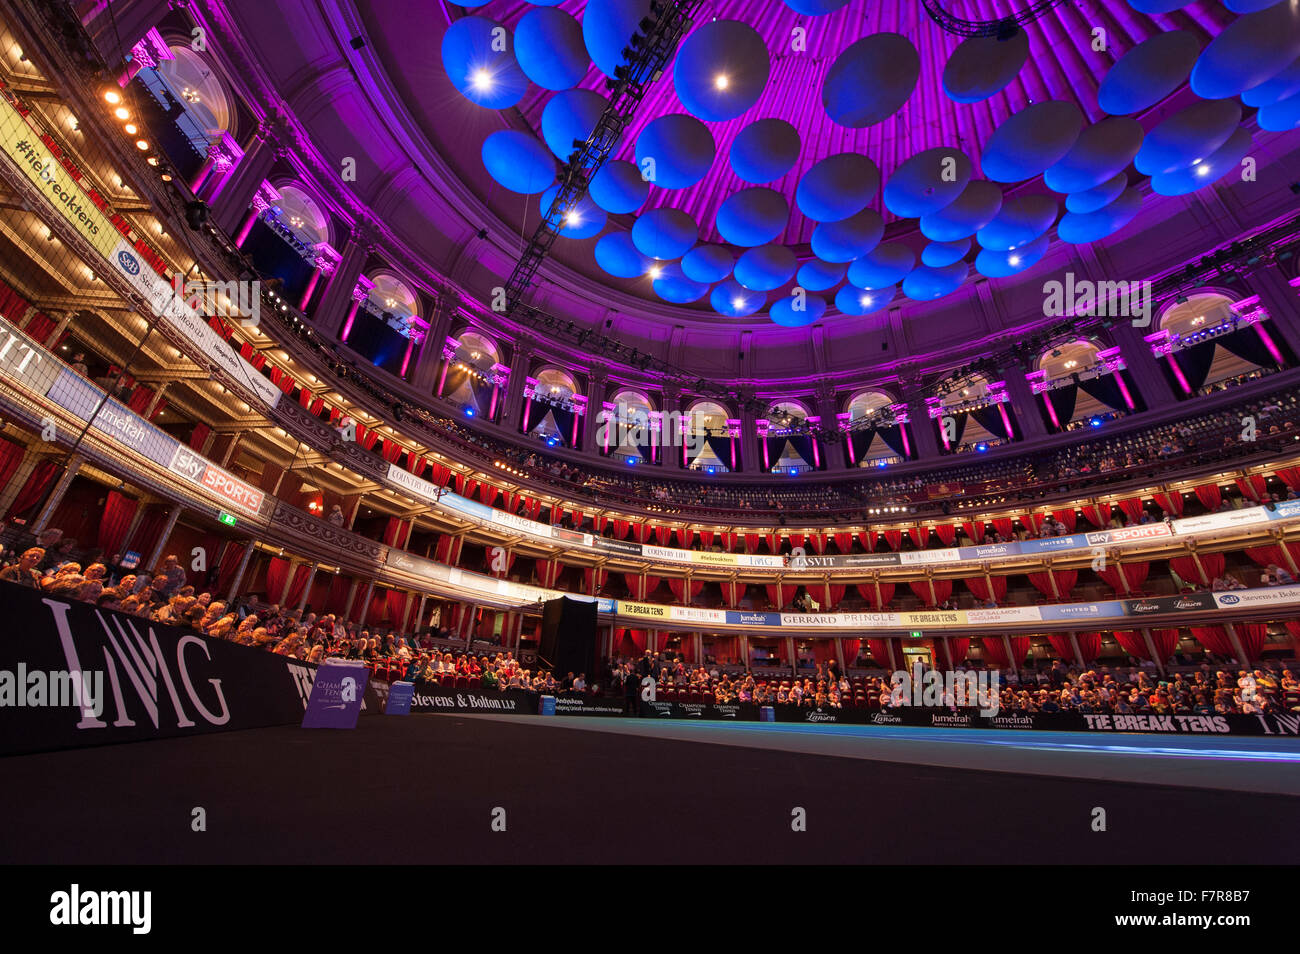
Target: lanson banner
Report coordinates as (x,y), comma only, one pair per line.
(73,674)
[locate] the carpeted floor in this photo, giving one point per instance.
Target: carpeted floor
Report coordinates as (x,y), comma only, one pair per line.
(423,789)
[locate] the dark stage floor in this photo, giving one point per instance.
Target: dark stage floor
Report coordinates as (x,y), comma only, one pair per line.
(422,790)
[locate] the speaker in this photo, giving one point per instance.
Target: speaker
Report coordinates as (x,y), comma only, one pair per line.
(568,641)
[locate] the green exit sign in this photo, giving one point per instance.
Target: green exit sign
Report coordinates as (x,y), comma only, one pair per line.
(229,519)
(916,634)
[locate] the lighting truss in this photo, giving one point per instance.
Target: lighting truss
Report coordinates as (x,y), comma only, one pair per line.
(644,62)
(1003,29)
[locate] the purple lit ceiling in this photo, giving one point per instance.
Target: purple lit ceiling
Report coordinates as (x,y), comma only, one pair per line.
(1008,112)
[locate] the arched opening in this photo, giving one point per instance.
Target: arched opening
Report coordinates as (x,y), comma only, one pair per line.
(1214,344)
(789,445)
(549,411)
(709,442)
(470,378)
(630,432)
(873,438)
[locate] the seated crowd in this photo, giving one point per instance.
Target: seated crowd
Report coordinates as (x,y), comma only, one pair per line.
(1100,690)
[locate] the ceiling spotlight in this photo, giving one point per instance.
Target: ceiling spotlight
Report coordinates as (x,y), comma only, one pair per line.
(1014,260)
(142,145)
(481,79)
(1202,170)
(573,218)
(864,300)
(131,129)
(737,303)
(112,97)
(721,81)
(122,112)
(655,271)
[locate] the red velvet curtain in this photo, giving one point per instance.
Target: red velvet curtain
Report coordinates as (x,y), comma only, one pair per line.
(1253,636)
(947,534)
(1211,565)
(662,535)
(277,575)
(299,584)
(958,647)
(684,537)
(1215,639)
(1020,647)
(880,653)
(395,604)
(678,586)
(1253,487)
(230,560)
(1089,645)
(844,542)
(37,483)
(994,652)
(119,510)
(1171,503)
(868,592)
(779,593)
(1132,508)
(1290,476)
(338,594)
(1210,496)
(1067,517)
(852,646)
(1166,642)
(915,534)
(1003,525)
(978,586)
(974,529)
(732,591)
(1132,643)
(706,539)
(1061,644)
(1098,514)
(11,455)
(894,538)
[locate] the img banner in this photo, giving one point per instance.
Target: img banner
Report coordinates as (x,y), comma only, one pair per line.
(72,674)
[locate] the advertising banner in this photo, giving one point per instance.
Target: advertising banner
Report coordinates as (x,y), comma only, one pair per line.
(618,546)
(1156,605)
(400,695)
(1108,610)
(1283,510)
(1245,599)
(1004,614)
(1221,521)
(26,150)
(589,706)
(138,679)
(752,618)
(922,557)
(989,551)
(643,610)
(336,695)
(431,697)
(74,393)
(1076,541)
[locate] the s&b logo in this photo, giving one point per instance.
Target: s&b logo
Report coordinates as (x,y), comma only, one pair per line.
(129,263)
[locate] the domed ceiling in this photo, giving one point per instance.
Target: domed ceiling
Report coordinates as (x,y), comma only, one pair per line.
(808,155)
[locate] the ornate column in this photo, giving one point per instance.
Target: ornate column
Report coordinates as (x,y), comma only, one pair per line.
(265,196)
(1029,423)
(1278,296)
(360,292)
(926,443)
(519,364)
(1143,365)
(326,260)
(60,490)
(832,448)
(751,456)
(164,538)
(224,156)
(64,320)
(336,301)
(595,402)
(243,182)
(427,362)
